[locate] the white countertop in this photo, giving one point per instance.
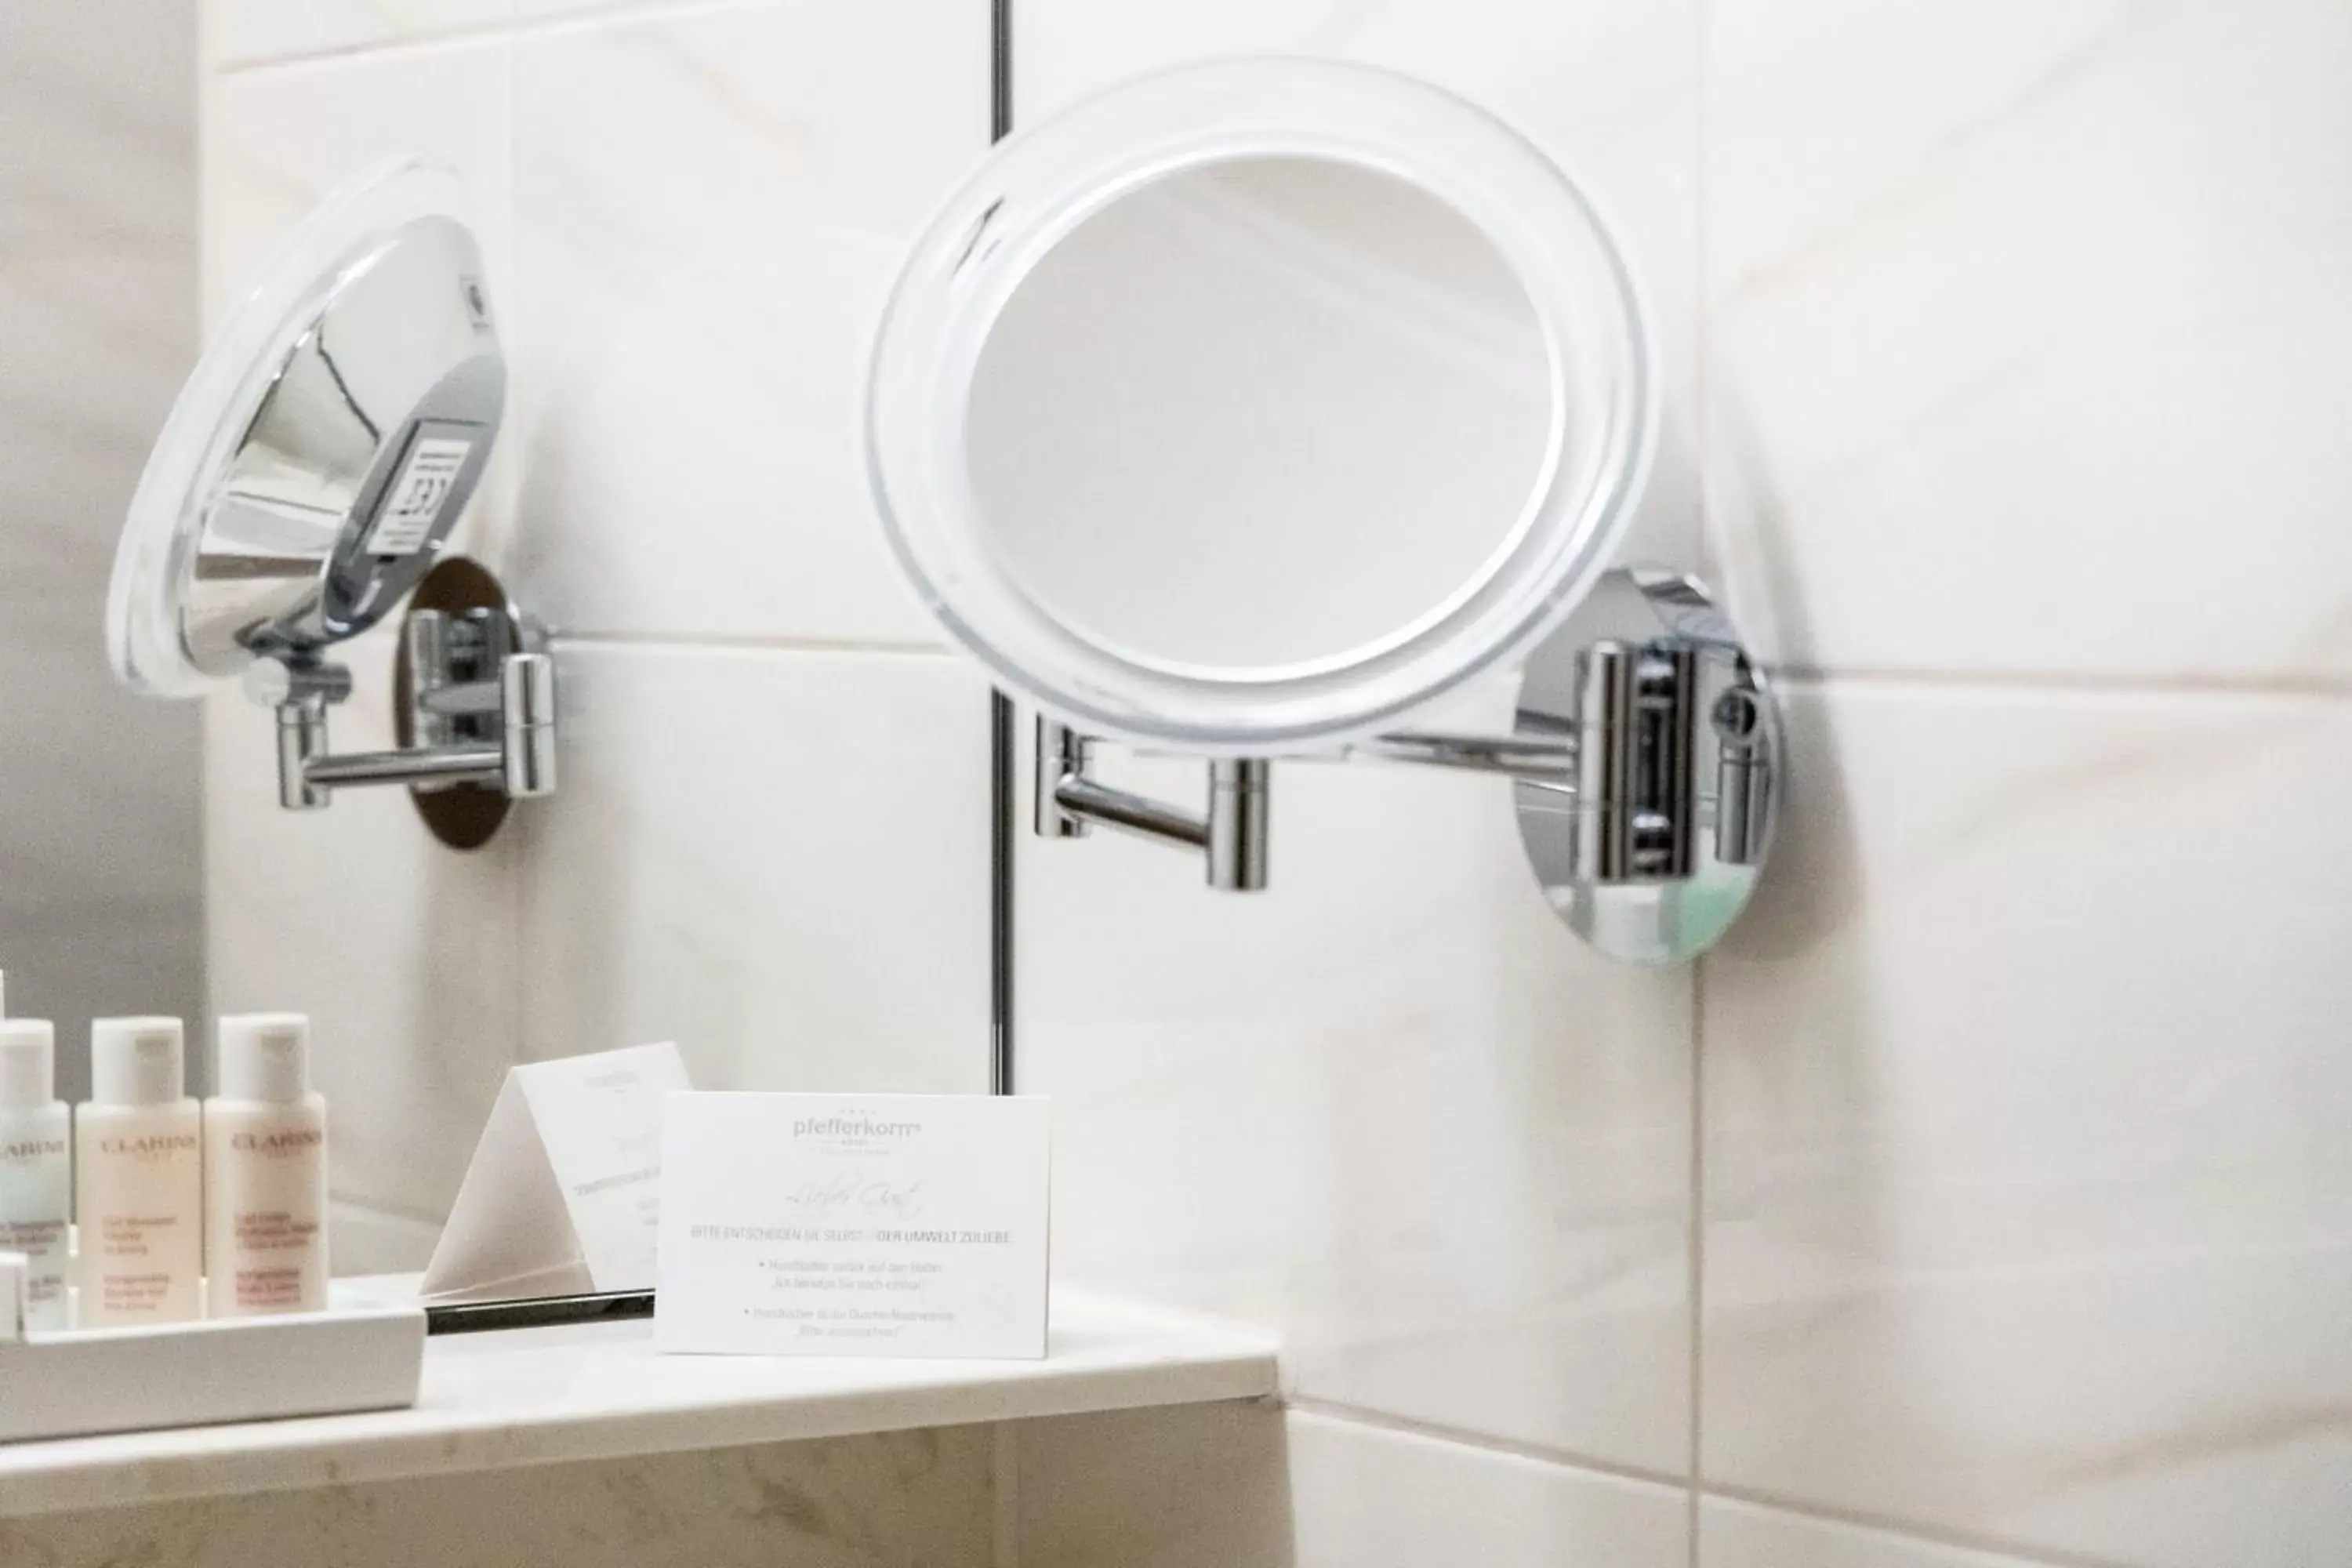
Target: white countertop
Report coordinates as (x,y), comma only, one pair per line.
(532,1396)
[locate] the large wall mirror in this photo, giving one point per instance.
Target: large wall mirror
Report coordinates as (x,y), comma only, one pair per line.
(101,875)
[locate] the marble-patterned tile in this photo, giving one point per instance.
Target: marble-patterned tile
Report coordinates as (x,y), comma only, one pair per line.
(899,1499)
(1390,1105)
(1253,1486)
(1742,1535)
(98,110)
(779,861)
(1608,88)
(2028,1199)
(1194,1485)
(242,32)
(2025,332)
(1362,1497)
(699,305)
(404,952)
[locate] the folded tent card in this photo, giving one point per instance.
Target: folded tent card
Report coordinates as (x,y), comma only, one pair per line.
(563,1193)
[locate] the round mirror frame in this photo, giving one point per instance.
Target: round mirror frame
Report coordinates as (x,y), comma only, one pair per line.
(1037,187)
(306,480)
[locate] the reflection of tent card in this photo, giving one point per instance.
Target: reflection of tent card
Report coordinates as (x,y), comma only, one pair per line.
(562,1196)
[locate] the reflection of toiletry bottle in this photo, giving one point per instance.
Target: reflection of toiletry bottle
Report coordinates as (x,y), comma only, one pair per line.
(137,1179)
(36,1166)
(14,1268)
(265,1171)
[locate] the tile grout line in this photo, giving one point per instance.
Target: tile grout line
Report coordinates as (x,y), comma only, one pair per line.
(2063,683)
(2026,1556)
(1003,728)
(584,19)
(1004,1495)
(1927,1533)
(518,1048)
(1484,1442)
(1004,1455)
(1696,1360)
(1695,1462)
(1791,676)
(742,643)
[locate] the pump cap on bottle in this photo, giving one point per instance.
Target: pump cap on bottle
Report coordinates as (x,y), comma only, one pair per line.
(28,1063)
(137,1061)
(263,1055)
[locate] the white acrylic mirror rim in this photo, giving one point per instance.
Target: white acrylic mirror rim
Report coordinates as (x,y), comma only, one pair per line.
(1039,186)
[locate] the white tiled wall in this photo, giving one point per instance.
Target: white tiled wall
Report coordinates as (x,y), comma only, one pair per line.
(1984,1203)
(101,876)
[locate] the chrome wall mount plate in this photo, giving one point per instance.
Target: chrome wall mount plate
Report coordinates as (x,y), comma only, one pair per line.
(1647,766)
(458,639)
(310,474)
(1651,849)
(1252,409)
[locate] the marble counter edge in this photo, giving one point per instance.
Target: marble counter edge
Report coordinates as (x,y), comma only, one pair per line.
(543,1396)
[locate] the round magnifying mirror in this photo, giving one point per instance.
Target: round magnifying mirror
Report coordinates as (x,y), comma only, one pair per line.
(322,449)
(1257,404)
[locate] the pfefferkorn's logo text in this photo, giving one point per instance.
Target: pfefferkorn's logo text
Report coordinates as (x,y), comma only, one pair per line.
(852,1127)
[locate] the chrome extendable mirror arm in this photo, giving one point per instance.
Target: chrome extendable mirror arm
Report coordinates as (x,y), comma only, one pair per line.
(475,694)
(1648,776)
(1231,834)
(519,760)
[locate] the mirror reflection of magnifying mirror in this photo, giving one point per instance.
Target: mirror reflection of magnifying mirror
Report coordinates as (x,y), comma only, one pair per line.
(322,449)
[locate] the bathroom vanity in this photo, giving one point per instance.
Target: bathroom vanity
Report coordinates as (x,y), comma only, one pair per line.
(600,1421)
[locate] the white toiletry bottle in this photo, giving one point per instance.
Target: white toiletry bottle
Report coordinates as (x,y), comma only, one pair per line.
(36,1166)
(139,1178)
(265,1171)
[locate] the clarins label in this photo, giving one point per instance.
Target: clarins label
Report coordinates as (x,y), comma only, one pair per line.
(853,1225)
(278,1145)
(154,1145)
(33,1148)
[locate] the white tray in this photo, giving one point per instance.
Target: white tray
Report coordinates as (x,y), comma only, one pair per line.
(221,1369)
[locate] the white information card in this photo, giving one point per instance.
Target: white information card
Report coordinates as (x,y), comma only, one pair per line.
(561,1197)
(853,1225)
